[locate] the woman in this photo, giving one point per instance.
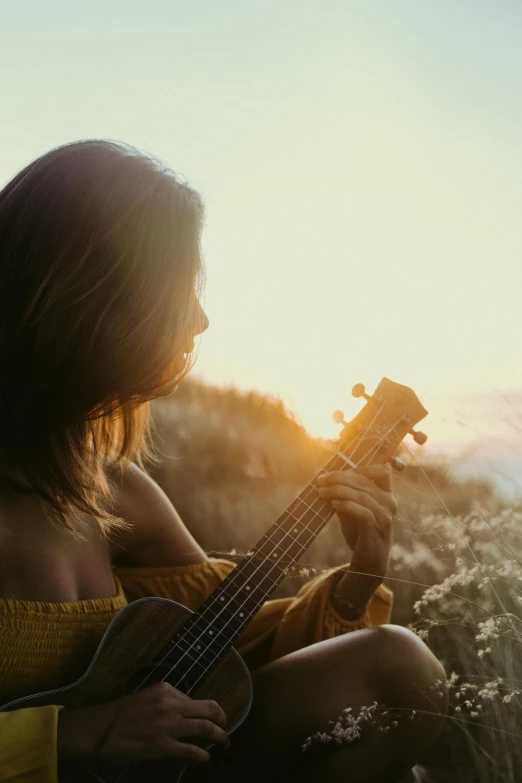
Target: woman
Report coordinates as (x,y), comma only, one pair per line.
(99,280)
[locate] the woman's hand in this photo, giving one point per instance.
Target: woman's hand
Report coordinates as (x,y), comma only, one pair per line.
(151,724)
(366,507)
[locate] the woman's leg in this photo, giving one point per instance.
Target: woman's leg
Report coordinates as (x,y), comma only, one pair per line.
(298,695)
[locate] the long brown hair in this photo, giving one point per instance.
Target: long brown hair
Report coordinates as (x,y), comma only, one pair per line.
(99,266)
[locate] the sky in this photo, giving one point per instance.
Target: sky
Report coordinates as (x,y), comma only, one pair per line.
(361,166)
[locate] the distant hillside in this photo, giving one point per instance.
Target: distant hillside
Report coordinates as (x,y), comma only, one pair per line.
(234,461)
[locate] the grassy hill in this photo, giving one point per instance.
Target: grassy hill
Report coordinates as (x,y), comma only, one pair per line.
(232,462)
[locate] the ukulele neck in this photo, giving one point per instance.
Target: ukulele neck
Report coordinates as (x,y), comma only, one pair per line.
(212,630)
(371,437)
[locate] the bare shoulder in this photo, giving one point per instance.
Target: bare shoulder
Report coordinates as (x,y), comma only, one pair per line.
(158,536)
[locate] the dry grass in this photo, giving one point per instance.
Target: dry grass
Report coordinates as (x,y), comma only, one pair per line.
(233,462)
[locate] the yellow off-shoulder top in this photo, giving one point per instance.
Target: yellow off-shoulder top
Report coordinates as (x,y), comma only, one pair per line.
(48,645)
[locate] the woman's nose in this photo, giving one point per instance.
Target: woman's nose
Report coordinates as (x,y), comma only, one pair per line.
(202,322)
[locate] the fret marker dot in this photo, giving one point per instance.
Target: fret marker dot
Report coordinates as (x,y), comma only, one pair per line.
(275,554)
(210,633)
(198,647)
(241,614)
(247,587)
(296,530)
(222,598)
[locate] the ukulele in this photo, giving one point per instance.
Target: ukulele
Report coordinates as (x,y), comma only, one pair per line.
(155,639)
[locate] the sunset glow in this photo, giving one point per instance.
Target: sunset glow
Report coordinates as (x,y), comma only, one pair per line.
(361,168)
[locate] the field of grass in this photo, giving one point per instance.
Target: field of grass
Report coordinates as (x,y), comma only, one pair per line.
(232,462)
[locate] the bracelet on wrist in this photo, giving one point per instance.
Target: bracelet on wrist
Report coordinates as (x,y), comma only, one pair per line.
(340,602)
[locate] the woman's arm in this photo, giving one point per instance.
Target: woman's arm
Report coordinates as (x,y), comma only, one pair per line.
(366,507)
(158,536)
(28,744)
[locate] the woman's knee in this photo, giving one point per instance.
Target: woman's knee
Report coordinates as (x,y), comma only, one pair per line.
(402,658)
(409,677)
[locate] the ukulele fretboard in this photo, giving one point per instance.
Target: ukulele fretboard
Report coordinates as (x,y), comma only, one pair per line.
(209,633)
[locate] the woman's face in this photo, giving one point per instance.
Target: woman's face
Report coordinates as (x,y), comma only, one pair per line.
(198,324)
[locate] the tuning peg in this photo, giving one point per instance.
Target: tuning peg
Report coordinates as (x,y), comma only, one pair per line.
(338,417)
(419,437)
(359,391)
(397,463)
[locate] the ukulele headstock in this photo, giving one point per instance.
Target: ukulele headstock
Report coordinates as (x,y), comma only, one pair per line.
(390,414)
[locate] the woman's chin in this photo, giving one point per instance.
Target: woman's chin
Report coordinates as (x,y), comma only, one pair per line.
(173,389)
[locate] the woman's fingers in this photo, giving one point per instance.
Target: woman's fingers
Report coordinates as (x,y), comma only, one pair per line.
(371,508)
(349,486)
(201,728)
(206,709)
(380,474)
(356,512)
(186,752)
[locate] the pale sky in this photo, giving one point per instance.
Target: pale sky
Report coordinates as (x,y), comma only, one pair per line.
(361,164)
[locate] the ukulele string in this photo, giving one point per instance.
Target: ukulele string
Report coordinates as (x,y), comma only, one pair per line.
(266,578)
(358,441)
(100,778)
(368,454)
(287,535)
(252,611)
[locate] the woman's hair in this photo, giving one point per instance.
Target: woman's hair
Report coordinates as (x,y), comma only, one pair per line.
(99,272)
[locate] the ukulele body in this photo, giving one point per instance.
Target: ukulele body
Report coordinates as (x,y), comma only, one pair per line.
(128,651)
(139,634)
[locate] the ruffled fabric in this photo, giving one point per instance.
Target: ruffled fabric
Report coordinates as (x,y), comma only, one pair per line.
(14,608)
(48,645)
(28,745)
(280,626)
(283,626)
(189,585)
